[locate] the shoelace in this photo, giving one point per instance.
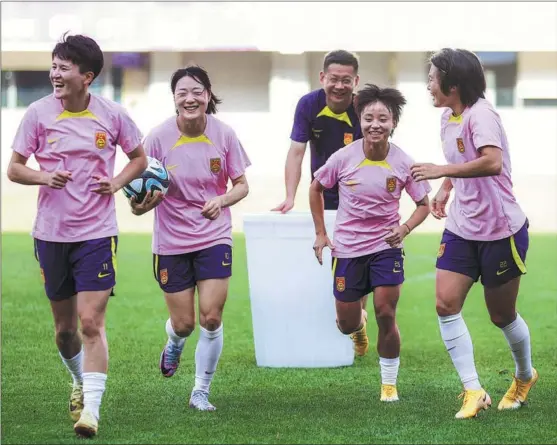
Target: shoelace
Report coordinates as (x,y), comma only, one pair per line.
(389,391)
(359,335)
(514,390)
(200,398)
(172,356)
(77,391)
(466,395)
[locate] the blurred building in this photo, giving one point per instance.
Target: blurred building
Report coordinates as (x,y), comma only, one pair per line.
(263,56)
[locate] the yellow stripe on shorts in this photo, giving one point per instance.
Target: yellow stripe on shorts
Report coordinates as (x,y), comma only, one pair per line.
(516,257)
(156,271)
(334,265)
(113,250)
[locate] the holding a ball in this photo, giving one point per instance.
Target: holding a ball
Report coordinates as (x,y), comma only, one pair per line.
(147,191)
(192,236)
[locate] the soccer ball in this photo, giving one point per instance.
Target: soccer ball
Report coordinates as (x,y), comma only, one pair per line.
(155,177)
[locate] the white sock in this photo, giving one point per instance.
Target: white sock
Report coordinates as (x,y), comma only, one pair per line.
(93,388)
(75,367)
(459,345)
(207,354)
(172,336)
(389,370)
(518,337)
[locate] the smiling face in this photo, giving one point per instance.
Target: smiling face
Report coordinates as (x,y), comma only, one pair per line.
(67,80)
(339,82)
(377,123)
(191,98)
(439,98)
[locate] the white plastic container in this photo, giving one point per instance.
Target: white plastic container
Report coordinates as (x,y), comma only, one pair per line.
(292,302)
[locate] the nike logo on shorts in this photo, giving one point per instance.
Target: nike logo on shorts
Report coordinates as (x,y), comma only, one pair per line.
(102,275)
(501,272)
(226,264)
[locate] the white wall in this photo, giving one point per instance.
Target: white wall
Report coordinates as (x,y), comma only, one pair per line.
(276,26)
(537,75)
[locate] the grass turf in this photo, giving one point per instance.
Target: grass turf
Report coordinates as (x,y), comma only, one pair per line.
(257,405)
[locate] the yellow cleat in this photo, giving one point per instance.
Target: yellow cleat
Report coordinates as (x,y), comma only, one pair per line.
(76,402)
(361,342)
(474,401)
(87,425)
(518,392)
(389,393)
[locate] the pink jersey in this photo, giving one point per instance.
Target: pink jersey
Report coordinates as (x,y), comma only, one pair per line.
(483,209)
(83,143)
(199,171)
(369,196)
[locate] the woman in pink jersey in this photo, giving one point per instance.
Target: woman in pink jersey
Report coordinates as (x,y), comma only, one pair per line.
(486,234)
(73,136)
(192,239)
(371,174)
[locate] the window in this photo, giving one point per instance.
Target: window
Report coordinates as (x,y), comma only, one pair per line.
(117,83)
(540,103)
(31,86)
(7,77)
(116,76)
(97,86)
(501,73)
(22,88)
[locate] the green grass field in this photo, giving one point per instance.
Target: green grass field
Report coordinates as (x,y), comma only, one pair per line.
(257,405)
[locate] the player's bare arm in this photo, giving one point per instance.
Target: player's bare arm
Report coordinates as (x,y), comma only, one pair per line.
(317,207)
(292,175)
(239,190)
(132,170)
(418,216)
(440,200)
(489,163)
(19,172)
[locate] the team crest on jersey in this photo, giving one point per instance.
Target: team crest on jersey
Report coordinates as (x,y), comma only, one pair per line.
(100,139)
(348,138)
(460,145)
(164,276)
(391,184)
(441,250)
(215,165)
(341,284)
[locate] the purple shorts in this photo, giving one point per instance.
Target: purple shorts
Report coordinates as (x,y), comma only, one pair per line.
(176,273)
(354,278)
(69,268)
(497,262)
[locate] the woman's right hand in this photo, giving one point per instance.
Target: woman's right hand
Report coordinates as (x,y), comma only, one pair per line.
(439,202)
(321,241)
(149,203)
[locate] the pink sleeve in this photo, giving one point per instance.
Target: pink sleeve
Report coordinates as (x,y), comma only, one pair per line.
(486,128)
(26,140)
(416,190)
(328,175)
(151,146)
(236,157)
(129,135)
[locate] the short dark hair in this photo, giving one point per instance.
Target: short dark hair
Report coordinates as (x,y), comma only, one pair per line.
(201,76)
(462,69)
(341,57)
(390,97)
(82,51)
